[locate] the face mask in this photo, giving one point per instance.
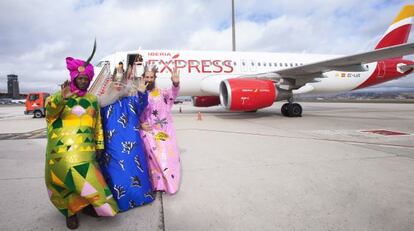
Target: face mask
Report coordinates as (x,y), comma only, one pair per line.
(139,69)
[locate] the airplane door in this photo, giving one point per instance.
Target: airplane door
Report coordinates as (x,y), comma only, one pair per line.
(381,69)
(131,58)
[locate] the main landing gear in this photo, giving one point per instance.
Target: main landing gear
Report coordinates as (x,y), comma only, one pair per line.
(291,110)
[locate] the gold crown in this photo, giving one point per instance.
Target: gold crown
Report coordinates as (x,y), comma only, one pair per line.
(81,69)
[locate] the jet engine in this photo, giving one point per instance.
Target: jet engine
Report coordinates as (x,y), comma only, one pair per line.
(245,94)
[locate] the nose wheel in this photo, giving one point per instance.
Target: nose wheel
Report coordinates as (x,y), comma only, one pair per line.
(291,110)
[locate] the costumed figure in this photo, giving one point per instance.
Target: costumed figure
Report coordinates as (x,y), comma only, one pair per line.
(75,136)
(124,163)
(158,133)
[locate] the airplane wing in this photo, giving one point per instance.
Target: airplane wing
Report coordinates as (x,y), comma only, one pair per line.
(297,77)
(349,63)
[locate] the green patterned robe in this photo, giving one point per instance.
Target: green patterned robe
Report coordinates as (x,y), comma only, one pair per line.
(73,178)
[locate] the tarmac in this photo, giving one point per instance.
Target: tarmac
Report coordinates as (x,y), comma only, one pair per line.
(342,166)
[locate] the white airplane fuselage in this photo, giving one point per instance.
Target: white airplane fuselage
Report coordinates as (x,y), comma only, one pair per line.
(196,66)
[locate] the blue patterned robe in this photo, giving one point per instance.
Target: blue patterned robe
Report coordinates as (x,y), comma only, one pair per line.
(124,163)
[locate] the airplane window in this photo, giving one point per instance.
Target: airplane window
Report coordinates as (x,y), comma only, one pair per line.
(243,63)
(296,64)
(234,63)
(281,64)
(291,65)
(159,62)
(270,64)
(252,63)
(286,64)
(258,64)
(264,64)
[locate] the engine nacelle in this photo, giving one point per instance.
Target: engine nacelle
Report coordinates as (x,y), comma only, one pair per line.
(247,94)
(206,101)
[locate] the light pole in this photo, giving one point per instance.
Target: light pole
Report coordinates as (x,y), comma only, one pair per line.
(233,26)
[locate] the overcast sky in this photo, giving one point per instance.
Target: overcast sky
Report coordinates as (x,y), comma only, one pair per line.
(37,35)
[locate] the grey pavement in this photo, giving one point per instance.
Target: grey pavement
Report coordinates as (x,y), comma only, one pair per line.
(245,171)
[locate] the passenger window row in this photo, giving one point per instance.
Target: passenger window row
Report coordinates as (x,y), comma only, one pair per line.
(259,64)
(263,64)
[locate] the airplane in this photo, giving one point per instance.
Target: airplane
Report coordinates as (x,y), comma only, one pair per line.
(248,81)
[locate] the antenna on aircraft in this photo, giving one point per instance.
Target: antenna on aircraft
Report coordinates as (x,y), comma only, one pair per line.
(233,26)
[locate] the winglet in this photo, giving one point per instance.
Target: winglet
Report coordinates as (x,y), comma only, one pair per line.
(399,30)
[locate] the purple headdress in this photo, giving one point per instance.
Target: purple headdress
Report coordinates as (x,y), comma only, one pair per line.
(77,67)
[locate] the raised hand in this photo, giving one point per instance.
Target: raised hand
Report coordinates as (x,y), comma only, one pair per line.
(175,77)
(142,86)
(129,72)
(66,93)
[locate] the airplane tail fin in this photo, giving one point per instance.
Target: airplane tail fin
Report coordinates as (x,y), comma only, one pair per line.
(399,30)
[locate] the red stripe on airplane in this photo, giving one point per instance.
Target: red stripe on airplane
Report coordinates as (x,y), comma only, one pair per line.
(385,70)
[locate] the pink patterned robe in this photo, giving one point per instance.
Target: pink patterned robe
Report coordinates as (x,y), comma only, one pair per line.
(160,143)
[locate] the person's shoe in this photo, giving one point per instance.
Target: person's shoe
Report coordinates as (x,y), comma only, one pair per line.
(89,210)
(72,222)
